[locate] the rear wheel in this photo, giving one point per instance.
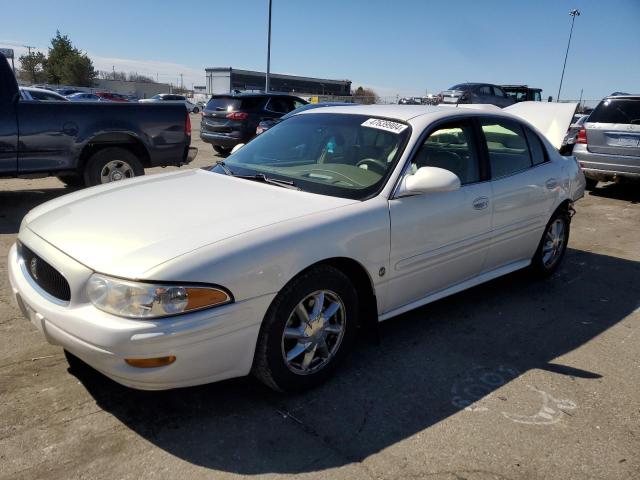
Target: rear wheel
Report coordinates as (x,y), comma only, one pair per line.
(307,331)
(592,183)
(553,245)
(111,165)
(222,151)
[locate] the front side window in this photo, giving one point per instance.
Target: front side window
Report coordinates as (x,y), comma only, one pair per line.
(507,146)
(452,147)
(348,156)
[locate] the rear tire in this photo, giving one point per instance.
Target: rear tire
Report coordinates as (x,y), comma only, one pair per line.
(552,246)
(222,151)
(307,331)
(110,165)
(592,183)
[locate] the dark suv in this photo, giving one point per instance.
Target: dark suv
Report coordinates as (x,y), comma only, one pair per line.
(228,120)
(476,93)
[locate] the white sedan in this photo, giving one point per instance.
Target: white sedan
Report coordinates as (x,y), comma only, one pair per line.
(338,217)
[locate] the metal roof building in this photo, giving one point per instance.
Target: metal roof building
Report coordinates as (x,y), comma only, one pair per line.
(227,79)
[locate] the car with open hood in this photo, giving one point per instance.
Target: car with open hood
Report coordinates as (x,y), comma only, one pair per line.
(324,225)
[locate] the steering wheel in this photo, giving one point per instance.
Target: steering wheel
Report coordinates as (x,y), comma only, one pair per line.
(378,166)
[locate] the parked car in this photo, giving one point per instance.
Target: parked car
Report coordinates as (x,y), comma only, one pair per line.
(476,93)
(132,98)
(522,93)
(572,134)
(41,94)
(608,144)
(67,91)
(86,143)
(265,125)
(171,98)
(338,218)
(112,97)
(84,97)
(228,120)
(410,101)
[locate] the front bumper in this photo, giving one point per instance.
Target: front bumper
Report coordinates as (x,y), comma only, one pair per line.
(209,345)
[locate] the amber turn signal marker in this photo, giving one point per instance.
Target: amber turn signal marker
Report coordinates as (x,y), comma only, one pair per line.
(198,298)
(150,362)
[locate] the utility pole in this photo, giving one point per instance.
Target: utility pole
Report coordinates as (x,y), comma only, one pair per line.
(574,13)
(267,86)
(28,47)
(181,82)
(113,67)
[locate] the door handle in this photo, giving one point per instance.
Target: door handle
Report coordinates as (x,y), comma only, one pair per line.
(481,203)
(551,183)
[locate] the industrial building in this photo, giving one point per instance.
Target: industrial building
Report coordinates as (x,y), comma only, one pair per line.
(227,79)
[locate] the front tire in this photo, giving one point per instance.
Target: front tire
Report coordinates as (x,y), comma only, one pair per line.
(307,331)
(110,165)
(553,245)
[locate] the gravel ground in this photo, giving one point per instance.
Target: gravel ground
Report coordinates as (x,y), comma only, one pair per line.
(512,379)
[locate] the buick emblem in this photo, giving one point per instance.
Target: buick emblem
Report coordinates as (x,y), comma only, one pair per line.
(33,268)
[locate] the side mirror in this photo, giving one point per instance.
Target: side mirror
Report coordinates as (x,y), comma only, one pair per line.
(236,148)
(428,180)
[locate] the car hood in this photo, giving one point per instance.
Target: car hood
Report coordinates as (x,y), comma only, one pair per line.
(126,228)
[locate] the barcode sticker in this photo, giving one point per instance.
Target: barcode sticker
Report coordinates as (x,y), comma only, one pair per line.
(386,125)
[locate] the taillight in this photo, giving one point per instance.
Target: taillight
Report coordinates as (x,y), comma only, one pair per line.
(187,126)
(582,136)
(237,115)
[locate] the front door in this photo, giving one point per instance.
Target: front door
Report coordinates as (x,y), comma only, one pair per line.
(440,239)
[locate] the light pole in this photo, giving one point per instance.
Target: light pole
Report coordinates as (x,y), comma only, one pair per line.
(574,13)
(266,86)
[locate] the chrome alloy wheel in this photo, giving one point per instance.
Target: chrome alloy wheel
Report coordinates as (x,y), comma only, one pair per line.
(116,170)
(553,243)
(313,332)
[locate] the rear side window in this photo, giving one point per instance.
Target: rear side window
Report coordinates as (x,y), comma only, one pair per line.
(507,146)
(281,105)
(614,110)
(485,91)
(498,91)
(538,152)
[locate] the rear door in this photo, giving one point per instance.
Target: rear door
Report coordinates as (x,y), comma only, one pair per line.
(525,186)
(613,128)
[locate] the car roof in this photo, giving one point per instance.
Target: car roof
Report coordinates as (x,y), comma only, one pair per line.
(625,96)
(393,111)
(253,94)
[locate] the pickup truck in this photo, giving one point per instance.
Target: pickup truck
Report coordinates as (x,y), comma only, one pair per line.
(87,143)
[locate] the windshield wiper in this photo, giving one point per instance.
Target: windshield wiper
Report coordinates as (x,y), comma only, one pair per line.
(224,167)
(261,177)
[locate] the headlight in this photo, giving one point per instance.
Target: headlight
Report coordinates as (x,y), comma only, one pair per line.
(148,300)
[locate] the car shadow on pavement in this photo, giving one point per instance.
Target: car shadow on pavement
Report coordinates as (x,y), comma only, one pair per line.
(15,204)
(629,192)
(432,363)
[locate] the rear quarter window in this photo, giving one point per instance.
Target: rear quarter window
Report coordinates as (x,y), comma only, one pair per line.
(612,110)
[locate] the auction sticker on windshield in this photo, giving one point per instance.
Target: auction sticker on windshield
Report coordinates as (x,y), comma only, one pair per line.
(387,125)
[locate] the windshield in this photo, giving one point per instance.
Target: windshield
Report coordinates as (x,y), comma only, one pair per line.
(340,155)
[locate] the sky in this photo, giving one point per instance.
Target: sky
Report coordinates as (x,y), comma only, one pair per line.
(396,47)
